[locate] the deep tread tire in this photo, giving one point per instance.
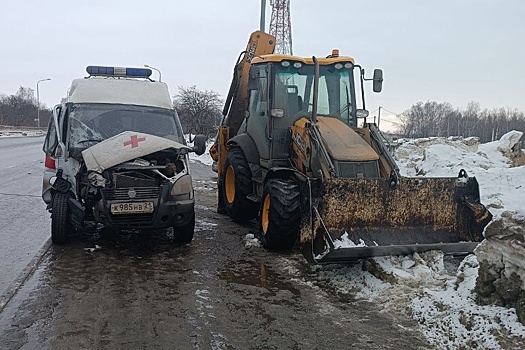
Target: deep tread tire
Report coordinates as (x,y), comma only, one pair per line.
(60,225)
(280,215)
(238,207)
(184,234)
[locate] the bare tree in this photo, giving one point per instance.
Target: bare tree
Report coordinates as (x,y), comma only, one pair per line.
(441,119)
(468,120)
(199,111)
(428,119)
(20,109)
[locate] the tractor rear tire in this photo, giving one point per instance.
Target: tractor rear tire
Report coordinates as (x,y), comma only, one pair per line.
(237,185)
(280,214)
(60,225)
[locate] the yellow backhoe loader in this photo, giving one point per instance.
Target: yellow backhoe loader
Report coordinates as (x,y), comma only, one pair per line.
(290,152)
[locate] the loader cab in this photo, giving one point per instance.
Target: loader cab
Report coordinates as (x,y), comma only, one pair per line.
(293,91)
(281,92)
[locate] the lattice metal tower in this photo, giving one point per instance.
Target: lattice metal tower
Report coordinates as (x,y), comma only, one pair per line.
(281,26)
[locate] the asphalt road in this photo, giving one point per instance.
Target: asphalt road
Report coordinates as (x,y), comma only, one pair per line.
(24,221)
(140,291)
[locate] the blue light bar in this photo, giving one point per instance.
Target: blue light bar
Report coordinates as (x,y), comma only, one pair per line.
(118,72)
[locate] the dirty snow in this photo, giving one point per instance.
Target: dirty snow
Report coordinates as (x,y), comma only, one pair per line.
(438,291)
(451,318)
(251,241)
(501,187)
(20,132)
(346,242)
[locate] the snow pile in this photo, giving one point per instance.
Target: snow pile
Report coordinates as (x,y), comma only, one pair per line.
(353,278)
(251,241)
(440,293)
(501,187)
(451,319)
(501,255)
(436,293)
(345,242)
(19,132)
(510,146)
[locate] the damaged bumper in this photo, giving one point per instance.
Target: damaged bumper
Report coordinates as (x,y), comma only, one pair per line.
(166,212)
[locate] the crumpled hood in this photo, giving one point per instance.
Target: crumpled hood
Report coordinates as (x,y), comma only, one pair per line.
(124,147)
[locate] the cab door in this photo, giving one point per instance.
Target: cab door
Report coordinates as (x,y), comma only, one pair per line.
(257,122)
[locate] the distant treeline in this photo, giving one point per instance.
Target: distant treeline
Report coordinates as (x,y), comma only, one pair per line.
(20,109)
(200,111)
(441,119)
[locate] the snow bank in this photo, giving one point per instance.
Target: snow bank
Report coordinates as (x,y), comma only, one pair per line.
(437,292)
(501,186)
(451,319)
(442,293)
(510,146)
(501,279)
(20,132)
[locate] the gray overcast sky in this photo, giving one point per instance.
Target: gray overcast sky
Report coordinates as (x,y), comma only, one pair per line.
(449,50)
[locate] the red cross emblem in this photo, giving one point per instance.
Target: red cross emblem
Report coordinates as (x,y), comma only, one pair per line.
(134,142)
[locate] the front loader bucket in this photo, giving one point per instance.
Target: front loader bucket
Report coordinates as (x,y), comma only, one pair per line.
(351,219)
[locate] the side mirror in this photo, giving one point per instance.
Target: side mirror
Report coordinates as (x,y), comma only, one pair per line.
(378,80)
(199,144)
(361,113)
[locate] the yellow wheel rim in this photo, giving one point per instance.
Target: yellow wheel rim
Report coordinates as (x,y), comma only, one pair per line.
(265,215)
(229,184)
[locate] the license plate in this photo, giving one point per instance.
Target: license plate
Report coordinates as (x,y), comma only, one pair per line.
(132,208)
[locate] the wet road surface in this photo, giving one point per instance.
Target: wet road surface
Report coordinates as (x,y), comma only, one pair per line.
(24,221)
(140,291)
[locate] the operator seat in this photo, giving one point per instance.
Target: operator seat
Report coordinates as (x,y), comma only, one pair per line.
(292,99)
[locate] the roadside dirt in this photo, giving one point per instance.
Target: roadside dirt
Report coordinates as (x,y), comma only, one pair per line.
(140,291)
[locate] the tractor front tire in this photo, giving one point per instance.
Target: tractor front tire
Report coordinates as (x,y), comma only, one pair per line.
(280,214)
(237,185)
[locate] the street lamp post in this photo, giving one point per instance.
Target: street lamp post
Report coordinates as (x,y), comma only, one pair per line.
(38,101)
(147,66)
